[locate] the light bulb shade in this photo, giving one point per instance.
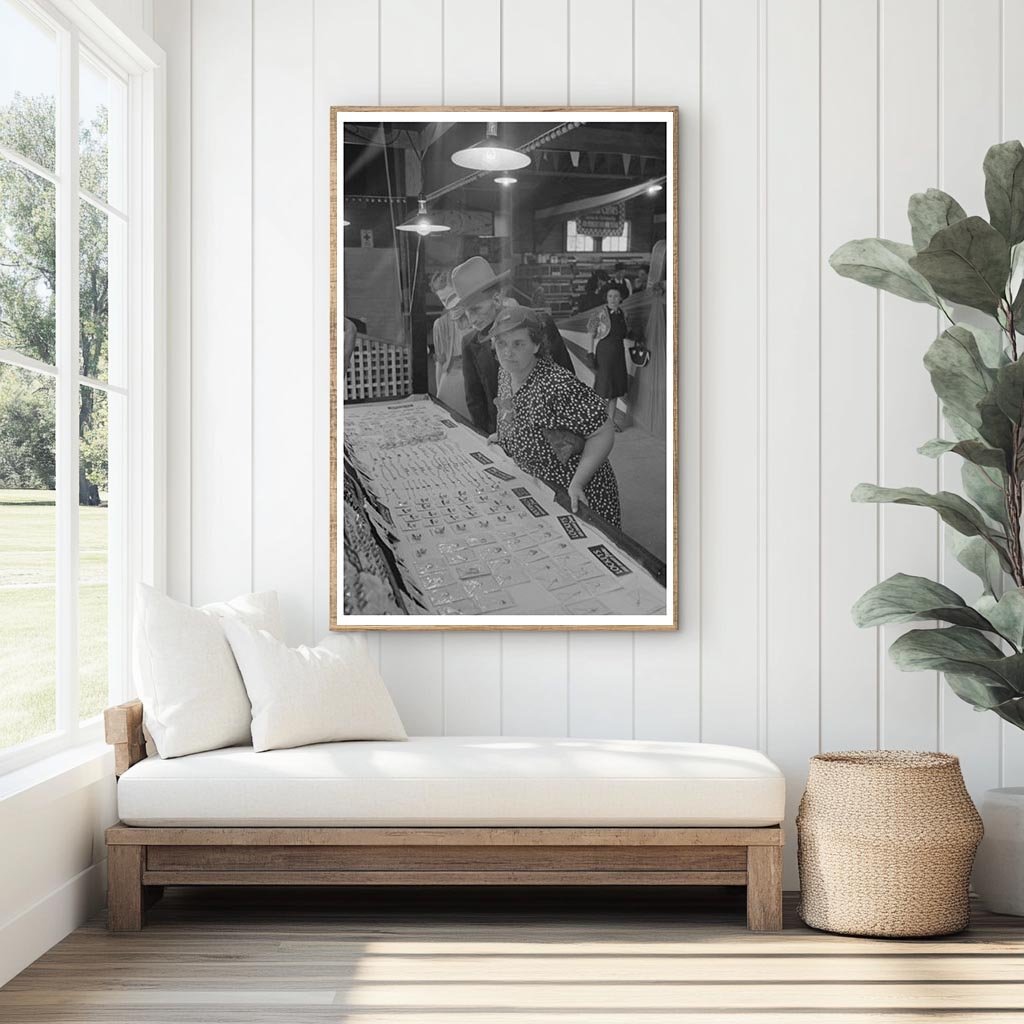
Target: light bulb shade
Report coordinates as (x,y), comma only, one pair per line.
(487,156)
(490,154)
(423,227)
(421,223)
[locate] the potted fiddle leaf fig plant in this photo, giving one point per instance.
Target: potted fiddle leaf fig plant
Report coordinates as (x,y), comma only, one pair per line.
(956,260)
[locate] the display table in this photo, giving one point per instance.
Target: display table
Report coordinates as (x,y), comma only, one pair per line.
(451,526)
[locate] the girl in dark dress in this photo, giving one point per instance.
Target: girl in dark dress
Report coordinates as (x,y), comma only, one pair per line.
(608,330)
(549,422)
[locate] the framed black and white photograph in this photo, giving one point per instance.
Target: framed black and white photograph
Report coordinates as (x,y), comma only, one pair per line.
(504,368)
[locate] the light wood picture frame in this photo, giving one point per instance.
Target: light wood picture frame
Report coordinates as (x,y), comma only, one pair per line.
(459,486)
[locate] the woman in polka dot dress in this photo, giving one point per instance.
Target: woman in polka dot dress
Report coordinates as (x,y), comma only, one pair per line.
(550,423)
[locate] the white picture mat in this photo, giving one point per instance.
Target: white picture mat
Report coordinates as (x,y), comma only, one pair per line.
(542,116)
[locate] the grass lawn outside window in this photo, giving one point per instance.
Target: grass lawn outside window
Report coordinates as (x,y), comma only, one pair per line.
(28,596)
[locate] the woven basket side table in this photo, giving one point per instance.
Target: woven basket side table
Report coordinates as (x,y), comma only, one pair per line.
(886,841)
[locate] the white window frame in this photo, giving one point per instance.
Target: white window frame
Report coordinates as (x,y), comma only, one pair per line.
(141,64)
(572,233)
(623,238)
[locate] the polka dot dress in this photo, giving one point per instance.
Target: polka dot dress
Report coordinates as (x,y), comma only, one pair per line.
(536,424)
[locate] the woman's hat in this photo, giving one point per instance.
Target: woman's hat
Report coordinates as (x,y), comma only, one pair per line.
(512,317)
(469,279)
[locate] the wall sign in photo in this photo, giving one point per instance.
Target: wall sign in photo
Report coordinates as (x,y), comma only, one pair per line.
(500,459)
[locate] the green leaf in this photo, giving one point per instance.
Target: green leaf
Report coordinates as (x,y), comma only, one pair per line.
(990,345)
(985,487)
(932,211)
(903,598)
(1017,308)
(976,555)
(996,428)
(1006,614)
(958,372)
(967,263)
(883,264)
(964,652)
(962,430)
(1015,285)
(980,692)
(1011,711)
(952,509)
(973,451)
(1016,278)
(1009,390)
(1004,189)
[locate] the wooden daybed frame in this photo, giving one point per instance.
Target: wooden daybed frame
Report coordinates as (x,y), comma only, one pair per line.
(142,860)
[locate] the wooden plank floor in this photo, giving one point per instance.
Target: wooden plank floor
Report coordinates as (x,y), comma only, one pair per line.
(220,956)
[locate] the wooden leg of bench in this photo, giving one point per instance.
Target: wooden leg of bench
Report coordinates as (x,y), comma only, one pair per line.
(764,888)
(124,888)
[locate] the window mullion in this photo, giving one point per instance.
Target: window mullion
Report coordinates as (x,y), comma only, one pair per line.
(67,386)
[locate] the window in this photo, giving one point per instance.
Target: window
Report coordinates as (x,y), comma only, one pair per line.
(575,242)
(587,243)
(617,243)
(73,381)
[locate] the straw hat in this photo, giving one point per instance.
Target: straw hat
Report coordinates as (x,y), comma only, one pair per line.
(469,279)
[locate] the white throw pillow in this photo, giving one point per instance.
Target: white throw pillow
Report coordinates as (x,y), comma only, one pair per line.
(192,693)
(309,694)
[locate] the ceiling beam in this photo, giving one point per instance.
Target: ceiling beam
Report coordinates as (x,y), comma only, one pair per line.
(589,203)
(595,136)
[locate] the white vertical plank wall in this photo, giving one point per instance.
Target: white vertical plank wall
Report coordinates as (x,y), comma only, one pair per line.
(222,264)
(804,123)
(849,374)
(283,305)
(731,363)
(173,24)
(791,418)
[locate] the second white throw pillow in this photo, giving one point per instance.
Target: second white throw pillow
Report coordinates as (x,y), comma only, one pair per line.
(311,695)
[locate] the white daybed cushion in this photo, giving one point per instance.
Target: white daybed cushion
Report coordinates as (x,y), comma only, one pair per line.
(458,780)
(306,695)
(191,690)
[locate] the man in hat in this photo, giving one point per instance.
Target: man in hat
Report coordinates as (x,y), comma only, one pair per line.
(620,281)
(480,300)
(446,342)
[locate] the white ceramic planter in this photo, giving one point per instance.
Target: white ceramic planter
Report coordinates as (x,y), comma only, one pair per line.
(999,866)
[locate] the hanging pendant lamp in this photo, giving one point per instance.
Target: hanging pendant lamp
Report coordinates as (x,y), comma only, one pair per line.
(490,155)
(422,223)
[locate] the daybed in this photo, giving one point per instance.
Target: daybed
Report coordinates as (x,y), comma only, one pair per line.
(444,811)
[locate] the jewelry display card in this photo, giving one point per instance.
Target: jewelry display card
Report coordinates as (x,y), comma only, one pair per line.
(463,541)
